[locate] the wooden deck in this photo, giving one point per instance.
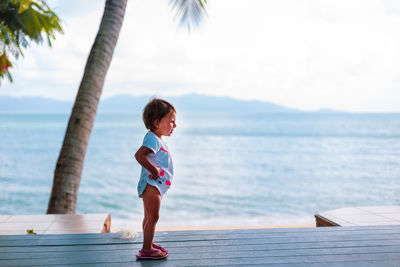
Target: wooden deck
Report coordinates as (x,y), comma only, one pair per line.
(55,223)
(360,216)
(318,246)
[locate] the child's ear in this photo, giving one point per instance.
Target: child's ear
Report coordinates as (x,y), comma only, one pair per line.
(155,123)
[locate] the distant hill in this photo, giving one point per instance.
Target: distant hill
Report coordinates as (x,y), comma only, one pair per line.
(213,103)
(191,102)
(127,103)
(33,104)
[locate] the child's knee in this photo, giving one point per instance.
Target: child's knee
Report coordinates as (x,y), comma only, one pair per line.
(153,217)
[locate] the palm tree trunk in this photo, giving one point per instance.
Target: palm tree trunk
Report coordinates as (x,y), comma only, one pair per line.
(67,174)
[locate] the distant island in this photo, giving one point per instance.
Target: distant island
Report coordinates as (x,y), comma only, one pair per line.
(130,104)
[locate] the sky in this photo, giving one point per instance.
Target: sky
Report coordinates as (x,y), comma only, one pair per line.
(305,54)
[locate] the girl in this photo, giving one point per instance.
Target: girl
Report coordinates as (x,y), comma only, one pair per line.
(157,171)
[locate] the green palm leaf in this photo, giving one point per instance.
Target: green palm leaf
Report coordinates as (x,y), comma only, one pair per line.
(22,21)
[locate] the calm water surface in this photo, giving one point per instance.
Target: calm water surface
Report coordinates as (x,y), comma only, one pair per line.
(230,169)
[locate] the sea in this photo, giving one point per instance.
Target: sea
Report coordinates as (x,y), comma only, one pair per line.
(231,169)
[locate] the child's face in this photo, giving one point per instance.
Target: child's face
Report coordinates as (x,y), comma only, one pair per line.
(166,125)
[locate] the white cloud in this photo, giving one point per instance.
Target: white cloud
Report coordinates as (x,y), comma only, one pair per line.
(304,54)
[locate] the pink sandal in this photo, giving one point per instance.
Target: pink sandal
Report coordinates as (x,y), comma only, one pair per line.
(156,246)
(143,255)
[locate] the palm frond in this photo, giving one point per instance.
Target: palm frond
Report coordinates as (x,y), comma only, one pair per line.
(190,13)
(8,41)
(31,18)
(23,21)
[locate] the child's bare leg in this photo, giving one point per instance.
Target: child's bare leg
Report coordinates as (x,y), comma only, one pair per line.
(144,220)
(143,225)
(151,203)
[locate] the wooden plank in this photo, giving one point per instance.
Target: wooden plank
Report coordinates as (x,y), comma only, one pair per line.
(104,239)
(58,236)
(230,250)
(209,239)
(321,221)
(385,263)
(263,233)
(107,224)
(332,264)
(266,234)
(55,223)
(194,235)
(201,245)
(194,258)
(113,238)
(360,216)
(198,249)
(279,230)
(322,259)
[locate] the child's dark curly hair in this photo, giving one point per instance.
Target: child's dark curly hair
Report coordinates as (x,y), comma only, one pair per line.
(156,109)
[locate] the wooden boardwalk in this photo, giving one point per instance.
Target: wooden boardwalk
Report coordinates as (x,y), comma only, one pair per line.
(318,246)
(55,223)
(360,216)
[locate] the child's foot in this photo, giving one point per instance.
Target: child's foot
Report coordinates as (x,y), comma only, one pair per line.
(152,254)
(157,246)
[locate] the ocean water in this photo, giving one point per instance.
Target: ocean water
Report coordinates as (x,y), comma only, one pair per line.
(230,169)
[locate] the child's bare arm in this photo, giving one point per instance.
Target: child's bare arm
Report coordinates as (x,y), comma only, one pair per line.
(141,157)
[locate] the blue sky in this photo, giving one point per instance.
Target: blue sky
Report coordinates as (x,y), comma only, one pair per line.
(306,54)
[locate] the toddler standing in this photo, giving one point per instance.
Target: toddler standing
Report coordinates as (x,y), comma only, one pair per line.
(157,171)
